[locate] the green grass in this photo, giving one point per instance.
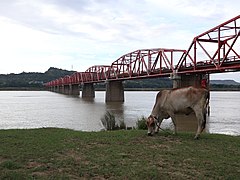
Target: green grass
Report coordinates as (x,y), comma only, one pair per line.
(51,153)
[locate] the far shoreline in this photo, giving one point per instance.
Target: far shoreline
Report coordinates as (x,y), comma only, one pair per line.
(103,89)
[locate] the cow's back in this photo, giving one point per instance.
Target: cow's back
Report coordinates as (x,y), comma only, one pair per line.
(181,99)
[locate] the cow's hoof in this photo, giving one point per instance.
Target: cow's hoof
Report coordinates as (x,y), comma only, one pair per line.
(196,138)
(150,134)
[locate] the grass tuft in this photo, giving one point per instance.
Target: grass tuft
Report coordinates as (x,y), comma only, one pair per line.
(11,165)
(141,123)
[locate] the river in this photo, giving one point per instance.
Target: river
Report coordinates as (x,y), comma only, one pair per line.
(37,109)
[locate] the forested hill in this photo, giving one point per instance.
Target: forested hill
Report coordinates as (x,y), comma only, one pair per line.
(32,79)
(167,83)
(36,80)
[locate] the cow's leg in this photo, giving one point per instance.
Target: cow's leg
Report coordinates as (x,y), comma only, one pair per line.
(172,115)
(201,121)
(174,123)
(157,127)
(158,124)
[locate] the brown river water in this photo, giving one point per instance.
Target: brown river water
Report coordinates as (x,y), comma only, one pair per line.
(36,109)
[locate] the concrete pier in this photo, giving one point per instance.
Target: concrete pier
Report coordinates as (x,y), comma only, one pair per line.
(74,89)
(188,122)
(66,89)
(195,80)
(114,91)
(61,89)
(176,80)
(88,90)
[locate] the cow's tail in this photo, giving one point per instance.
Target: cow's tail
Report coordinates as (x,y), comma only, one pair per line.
(206,109)
(207,106)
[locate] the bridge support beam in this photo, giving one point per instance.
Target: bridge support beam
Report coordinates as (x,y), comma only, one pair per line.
(66,89)
(54,89)
(88,90)
(195,80)
(189,122)
(114,91)
(74,89)
(176,80)
(61,89)
(51,88)
(58,89)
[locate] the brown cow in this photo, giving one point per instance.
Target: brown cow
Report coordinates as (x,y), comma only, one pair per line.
(183,101)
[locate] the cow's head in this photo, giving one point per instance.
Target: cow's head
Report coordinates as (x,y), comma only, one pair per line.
(151,124)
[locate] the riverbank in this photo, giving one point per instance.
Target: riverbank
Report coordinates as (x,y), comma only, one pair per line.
(60,153)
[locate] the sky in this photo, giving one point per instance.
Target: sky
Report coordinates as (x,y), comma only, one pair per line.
(77,34)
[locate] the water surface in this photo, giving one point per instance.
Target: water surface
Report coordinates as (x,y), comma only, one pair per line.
(36,109)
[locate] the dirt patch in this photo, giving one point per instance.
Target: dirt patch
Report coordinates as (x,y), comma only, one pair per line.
(2,159)
(76,156)
(34,164)
(40,169)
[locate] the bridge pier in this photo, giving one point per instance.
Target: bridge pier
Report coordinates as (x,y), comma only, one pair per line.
(54,89)
(189,122)
(74,89)
(57,89)
(114,91)
(88,90)
(176,80)
(51,88)
(195,80)
(60,89)
(66,89)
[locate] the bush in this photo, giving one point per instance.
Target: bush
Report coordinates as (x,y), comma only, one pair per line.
(122,125)
(109,122)
(141,123)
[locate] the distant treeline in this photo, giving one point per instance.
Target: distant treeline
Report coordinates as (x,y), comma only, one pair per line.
(31,79)
(224,87)
(166,83)
(34,81)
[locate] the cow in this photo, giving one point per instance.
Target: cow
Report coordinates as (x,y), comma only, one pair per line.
(180,100)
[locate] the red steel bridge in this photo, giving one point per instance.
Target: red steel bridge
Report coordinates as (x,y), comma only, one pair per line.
(214,51)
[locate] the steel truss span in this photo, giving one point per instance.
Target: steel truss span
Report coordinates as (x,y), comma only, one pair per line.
(214,51)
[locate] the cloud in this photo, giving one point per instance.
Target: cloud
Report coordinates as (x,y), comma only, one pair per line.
(83,33)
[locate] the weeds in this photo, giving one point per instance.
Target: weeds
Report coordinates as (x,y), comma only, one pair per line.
(141,123)
(109,122)
(122,124)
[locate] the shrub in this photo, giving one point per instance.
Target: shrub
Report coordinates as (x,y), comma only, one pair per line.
(141,123)
(122,124)
(109,122)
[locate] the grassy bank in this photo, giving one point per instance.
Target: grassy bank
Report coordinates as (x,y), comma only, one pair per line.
(60,153)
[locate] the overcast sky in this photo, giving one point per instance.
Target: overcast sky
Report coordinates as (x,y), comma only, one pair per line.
(77,34)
